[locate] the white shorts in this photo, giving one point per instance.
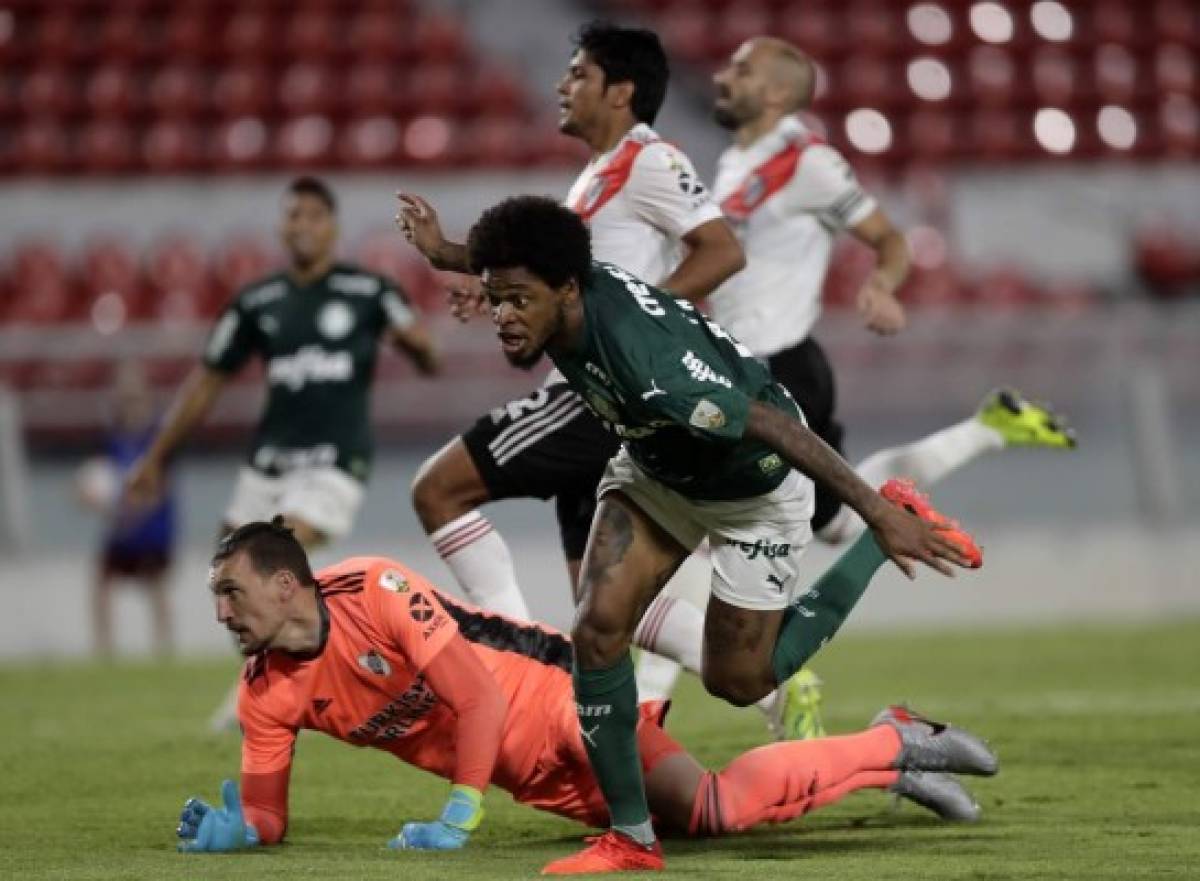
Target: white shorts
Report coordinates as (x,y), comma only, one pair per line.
(327,499)
(756,543)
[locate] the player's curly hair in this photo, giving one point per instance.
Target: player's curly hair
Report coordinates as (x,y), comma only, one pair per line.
(535,233)
(629,55)
(270,546)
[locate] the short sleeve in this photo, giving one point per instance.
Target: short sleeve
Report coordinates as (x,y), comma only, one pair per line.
(232,340)
(407,610)
(825,184)
(397,311)
(692,393)
(267,744)
(667,193)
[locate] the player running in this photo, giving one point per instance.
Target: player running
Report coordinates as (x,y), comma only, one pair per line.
(712,448)
(648,212)
(788,194)
(370,653)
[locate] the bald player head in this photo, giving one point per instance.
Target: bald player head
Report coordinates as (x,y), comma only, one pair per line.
(766,78)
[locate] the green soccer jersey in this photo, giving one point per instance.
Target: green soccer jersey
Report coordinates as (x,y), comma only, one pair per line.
(318,343)
(674,387)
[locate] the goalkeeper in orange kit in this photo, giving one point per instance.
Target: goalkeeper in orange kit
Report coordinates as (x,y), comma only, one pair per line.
(371,653)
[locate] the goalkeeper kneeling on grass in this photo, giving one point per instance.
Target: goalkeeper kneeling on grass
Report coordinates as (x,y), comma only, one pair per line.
(371,653)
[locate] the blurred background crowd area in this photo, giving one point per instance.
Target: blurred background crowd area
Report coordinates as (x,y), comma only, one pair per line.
(1041,157)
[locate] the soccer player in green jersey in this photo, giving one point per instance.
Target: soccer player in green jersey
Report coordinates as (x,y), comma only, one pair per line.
(317,326)
(711,448)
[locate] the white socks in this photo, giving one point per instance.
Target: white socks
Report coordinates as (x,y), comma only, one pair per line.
(482,564)
(925,461)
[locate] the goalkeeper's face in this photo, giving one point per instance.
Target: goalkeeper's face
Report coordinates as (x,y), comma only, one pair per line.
(252,606)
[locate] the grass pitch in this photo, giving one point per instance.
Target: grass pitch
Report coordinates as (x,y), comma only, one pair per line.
(1098,732)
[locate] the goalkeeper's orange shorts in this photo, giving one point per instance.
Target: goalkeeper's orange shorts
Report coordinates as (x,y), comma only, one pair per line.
(562,781)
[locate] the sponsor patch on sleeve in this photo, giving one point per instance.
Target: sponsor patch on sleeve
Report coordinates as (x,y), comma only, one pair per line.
(393,581)
(707,415)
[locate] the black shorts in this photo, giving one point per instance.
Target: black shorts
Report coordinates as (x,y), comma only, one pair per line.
(548,445)
(805,372)
(146,565)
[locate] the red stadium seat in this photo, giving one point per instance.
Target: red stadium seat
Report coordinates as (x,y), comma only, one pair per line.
(313,36)
(495,141)
(305,142)
(866,81)
(937,287)
(1054,75)
(495,89)
(41,146)
(58,38)
(430,140)
(370,142)
(1176,20)
(1113,21)
(439,37)
(740,22)
(241,260)
(1004,287)
(190,35)
(250,35)
(1175,69)
(871,26)
(178,90)
(173,146)
(997,135)
(1115,70)
(1165,259)
(1179,126)
(106,147)
(242,91)
(308,88)
(240,143)
(180,288)
(113,91)
(49,91)
(122,38)
(992,76)
(374,88)
(687,34)
(814,29)
(388,254)
(108,265)
(435,88)
(380,35)
(932,135)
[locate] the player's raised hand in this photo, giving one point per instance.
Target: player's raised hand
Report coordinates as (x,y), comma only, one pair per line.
(460,817)
(910,531)
(206,829)
(465,298)
(879,308)
(420,225)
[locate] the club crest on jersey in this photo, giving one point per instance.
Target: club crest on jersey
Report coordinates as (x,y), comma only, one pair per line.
(393,581)
(753,189)
(335,320)
(376,663)
(707,415)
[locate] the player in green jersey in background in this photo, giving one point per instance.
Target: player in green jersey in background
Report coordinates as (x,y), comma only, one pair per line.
(712,448)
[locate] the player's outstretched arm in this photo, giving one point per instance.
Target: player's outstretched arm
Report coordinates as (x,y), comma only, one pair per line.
(420,225)
(416,342)
(204,828)
(194,399)
(876,302)
(902,536)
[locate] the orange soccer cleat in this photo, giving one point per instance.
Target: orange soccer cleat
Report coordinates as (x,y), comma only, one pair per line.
(904,494)
(610,852)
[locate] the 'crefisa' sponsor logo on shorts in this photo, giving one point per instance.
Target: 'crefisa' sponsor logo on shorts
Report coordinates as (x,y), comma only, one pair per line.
(763,548)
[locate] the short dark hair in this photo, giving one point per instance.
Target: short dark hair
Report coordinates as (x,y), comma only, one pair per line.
(270,547)
(534,232)
(629,55)
(314,186)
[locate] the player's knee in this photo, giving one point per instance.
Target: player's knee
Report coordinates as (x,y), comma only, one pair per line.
(736,687)
(443,491)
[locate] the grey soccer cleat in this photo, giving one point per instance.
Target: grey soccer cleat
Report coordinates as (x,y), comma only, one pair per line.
(934,746)
(940,793)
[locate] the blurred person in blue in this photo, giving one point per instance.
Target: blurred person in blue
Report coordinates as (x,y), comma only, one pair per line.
(139,535)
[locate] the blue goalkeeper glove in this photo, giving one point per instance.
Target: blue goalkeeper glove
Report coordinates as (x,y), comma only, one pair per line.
(460,817)
(205,829)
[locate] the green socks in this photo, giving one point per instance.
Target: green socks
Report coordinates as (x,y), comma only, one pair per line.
(606,701)
(813,619)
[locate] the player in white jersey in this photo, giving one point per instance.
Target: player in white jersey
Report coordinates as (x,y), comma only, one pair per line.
(788,195)
(648,212)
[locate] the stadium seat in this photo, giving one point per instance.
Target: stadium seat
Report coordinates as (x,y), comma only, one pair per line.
(494,89)
(112,91)
(686,34)
(41,146)
(1177,21)
(57,38)
(865,80)
(178,90)
(123,38)
(108,265)
(240,261)
(1179,126)
(439,37)
(495,140)
(240,143)
(370,142)
(172,146)
(738,23)
(871,26)
(1164,258)
(1175,70)
(997,135)
(190,35)
(242,91)
(309,88)
(1115,73)
(992,76)
(435,88)
(384,252)
(49,91)
(1113,21)
(180,288)
(314,36)
(106,147)
(305,142)
(816,31)
(1004,287)
(250,35)
(1054,75)
(932,135)
(381,36)
(430,140)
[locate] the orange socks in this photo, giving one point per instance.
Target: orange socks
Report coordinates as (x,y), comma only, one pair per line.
(783,780)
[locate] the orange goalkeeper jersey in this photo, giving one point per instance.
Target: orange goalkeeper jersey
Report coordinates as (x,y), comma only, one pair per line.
(384,624)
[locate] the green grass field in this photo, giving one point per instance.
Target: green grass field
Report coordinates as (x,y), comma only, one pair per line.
(1098,732)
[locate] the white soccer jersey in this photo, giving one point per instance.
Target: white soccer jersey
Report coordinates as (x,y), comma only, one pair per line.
(639,199)
(786,195)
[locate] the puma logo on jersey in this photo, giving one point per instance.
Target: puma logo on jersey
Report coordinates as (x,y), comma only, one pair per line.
(310,364)
(701,372)
(654,391)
